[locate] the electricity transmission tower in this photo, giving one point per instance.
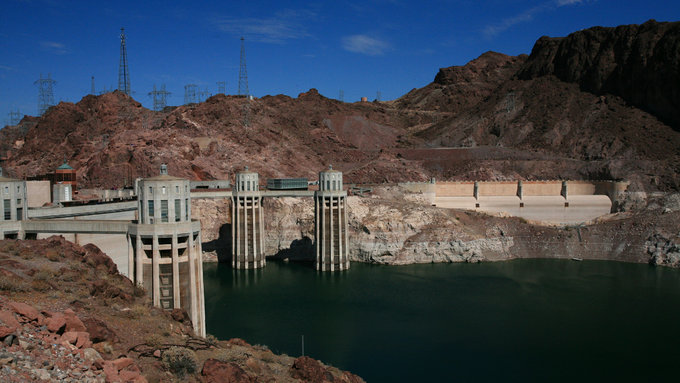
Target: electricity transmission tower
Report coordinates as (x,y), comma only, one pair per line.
(243,72)
(123,74)
(378,95)
(190,94)
(243,85)
(159,97)
(45,93)
(222,87)
(92,91)
(14,117)
(341,95)
(203,95)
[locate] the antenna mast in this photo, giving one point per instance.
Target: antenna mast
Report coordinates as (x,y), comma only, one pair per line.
(123,74)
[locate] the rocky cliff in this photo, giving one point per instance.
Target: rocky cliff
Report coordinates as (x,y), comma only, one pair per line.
(638,63)
(393,226)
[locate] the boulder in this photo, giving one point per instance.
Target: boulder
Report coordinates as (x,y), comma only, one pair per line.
(73,323)
(309,370)
(7,317)
(216,371)
(99,331)
(56,322)
(27,311)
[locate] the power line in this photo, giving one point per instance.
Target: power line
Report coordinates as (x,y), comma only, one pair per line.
(123,74)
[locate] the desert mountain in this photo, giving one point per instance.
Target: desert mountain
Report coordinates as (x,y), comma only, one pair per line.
(598,104)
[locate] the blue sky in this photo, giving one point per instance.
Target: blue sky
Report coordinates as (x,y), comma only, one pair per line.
(360,47)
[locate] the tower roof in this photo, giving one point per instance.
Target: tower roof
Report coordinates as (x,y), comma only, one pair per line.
(65,166)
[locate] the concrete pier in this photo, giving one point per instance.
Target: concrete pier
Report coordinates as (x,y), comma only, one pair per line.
(247,222)
(164,247)
(330,222)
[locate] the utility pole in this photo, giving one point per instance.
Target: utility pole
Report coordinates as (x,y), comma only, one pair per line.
(123,74)
(45,93)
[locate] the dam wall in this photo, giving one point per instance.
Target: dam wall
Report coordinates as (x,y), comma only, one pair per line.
(561,202)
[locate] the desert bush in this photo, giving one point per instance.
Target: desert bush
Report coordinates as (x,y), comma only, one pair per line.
(154,340)
(211,339)
(40,285)
(138,291)
(229,355)
(43,275)
(180,361)
(14,285)
(138,311)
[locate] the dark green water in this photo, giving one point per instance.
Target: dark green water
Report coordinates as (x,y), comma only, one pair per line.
(523,320)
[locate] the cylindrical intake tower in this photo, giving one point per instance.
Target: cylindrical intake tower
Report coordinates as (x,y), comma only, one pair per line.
(330,222)
(164,247)
(247,222)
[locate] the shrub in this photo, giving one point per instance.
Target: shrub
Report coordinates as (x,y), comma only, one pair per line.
(14,285)
(180,361)
(138,311)
(154,340)
(211,340)
(40,285)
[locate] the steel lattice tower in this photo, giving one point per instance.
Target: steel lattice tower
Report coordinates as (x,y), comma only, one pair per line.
(243,72)
(45,93)
(222,87)
(159,97)
(190,94)
(341,95)
(14,117)
(123,74)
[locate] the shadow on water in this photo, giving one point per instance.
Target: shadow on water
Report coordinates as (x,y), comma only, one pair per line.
(222,245)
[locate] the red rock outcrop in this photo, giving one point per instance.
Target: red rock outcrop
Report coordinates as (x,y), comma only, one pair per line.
(636,62)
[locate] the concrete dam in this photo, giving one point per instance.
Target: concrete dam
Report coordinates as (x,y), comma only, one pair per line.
(154,240)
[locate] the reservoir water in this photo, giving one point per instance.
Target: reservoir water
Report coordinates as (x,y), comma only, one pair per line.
(521,320)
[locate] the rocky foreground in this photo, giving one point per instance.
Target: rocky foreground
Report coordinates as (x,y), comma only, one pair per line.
(66,314)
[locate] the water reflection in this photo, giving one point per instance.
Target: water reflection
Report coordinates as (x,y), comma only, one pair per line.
(386,323)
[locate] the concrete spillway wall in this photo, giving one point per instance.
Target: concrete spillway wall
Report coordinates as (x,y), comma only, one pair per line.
(529,188)
(564,202)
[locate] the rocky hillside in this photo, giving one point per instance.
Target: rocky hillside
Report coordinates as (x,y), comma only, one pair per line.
(600,103)
(67,315)
(638,63)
